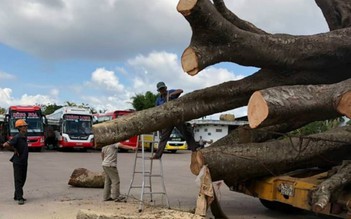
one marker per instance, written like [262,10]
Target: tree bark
[215,99]
[216,39]
[236,163]
[299,103]
[336,12]
[82,177]
[322,195]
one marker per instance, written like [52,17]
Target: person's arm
[11,147]
[176,92]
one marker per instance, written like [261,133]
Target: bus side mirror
[45,120]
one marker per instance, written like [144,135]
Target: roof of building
[217,122]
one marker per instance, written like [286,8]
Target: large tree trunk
[299,103]
[215,99]
[239,162]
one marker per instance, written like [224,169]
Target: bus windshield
[77,124]
[33,119]
[176,135]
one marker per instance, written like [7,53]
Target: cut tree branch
[322,195]
[299,103]
[215,39]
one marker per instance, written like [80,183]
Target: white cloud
[91,29]
[6,99]
[142,73]
[106,79]
[163,66]
[299,17]
[34,99]
[111,29]
[5,96]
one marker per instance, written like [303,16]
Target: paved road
[49,172]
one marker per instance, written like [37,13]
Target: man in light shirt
[112,182]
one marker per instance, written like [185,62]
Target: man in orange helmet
[19,159]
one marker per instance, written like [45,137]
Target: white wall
[210,132]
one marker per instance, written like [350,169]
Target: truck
[72,127]
[36,125]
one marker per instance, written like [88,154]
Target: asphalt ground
[49,171]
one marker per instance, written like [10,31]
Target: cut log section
[299,103]
[82,177]
[239,162]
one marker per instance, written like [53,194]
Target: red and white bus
[35,120]
[130,143]
[72,127]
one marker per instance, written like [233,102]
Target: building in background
[212,130]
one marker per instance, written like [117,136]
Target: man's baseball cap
[160,85]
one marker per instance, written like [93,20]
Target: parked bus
[72,127]
[130,143]
[35,120]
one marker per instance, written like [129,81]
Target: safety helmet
[20,122]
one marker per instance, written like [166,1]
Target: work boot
[155,157]
[120,199]
[21,201]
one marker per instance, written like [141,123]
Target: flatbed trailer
[293,191]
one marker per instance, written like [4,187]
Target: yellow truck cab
[293,191]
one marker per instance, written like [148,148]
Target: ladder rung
[141,172]
[155,193]
[153,175]
[139,187]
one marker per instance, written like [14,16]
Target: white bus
[72,127]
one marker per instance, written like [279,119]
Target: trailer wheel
[278,206]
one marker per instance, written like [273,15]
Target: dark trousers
[166,132]
[20,176]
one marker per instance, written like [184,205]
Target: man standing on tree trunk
[165,96]
[19,159]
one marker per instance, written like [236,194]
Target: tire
[278,206]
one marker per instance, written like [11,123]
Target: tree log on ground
[239,162]
[82,177]
[299,103]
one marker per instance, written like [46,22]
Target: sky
[104,52]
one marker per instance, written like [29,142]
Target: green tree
[318,127]
[50,108]
[2,110]
[144,101]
